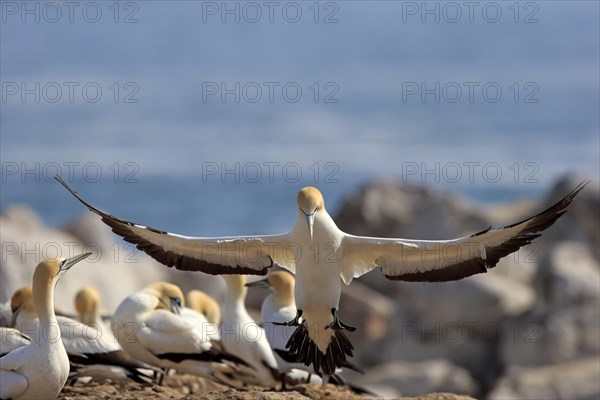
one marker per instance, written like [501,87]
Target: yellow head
[204,304]
[283,284]
[87,301]
[22,300]
[39,298]
[170,297]
[310,201]
[280,282]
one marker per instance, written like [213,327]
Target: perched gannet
[320,254]
[87,305]
[277,309]
[245,338]
[150,327]
[40,369]
[92,350]
[204,304]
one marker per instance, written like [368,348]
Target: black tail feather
[305,350]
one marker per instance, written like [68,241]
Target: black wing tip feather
[304,350]
[532,230]
[180,262]
[555,210]
[216,354]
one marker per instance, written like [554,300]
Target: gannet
[92,350]
[11,339]
[87,305]
[40,369]
[204,304]
[319,254]
[245,338]
[150,328]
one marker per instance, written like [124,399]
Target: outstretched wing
[251,255]
[445,260]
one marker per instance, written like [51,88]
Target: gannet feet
[294,322]
[337,324]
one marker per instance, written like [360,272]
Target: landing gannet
[319,254]
[40,369]
[150,328]
[245,338]
[93,351]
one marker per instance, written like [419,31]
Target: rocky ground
[190,387]
[529,328]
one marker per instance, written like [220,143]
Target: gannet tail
[306,351]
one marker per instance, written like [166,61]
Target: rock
[571,380]
[483,298]
[580,223]
[559,335]
[366,309]
[389,208]
[572,276]
[414,379]
[22,217]
[535,340]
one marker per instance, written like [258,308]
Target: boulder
[570,380]
[401,378]
[484,299]
[388,208]
[572,276]
[580,223]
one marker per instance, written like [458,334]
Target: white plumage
[40,369]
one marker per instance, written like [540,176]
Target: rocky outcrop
[399,378]
[571,380]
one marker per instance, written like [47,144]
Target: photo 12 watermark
[269,172]
[470,92]
[70,171]
[33,253]
[469,172]
[270,92]
[53,12]
[453,12]
[469,332]
[253,12]
[70,92]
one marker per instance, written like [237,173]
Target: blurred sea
[372,55]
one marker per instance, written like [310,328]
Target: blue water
[539,129]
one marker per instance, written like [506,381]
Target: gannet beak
[175,306]
[310,219]
[13,320]
[68,263]
[263,283]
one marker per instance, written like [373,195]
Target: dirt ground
[191,387]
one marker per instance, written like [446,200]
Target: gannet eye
[176,300]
